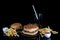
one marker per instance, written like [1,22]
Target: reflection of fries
[43,30]
[11,32]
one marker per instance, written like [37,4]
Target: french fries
[11,32]
[54,32]
[43,30]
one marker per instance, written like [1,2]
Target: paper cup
[5,29]
[47,35]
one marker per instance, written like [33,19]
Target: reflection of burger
[16,26]
[30,29]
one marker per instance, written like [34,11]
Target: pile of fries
[44,30]
[11,32]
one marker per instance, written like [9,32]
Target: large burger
[30,29]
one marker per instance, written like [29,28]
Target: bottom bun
[27,33]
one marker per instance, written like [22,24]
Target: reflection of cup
[47,35]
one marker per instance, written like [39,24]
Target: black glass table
[26,37]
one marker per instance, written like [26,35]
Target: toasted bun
[30,27]
[16,25]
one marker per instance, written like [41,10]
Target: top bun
[16,25]
[30,27]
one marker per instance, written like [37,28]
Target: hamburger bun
[16,26]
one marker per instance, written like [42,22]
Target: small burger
[30,29]
[16,26]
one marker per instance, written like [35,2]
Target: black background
[22,12]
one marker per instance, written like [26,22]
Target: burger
[30,29]
[16,26]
